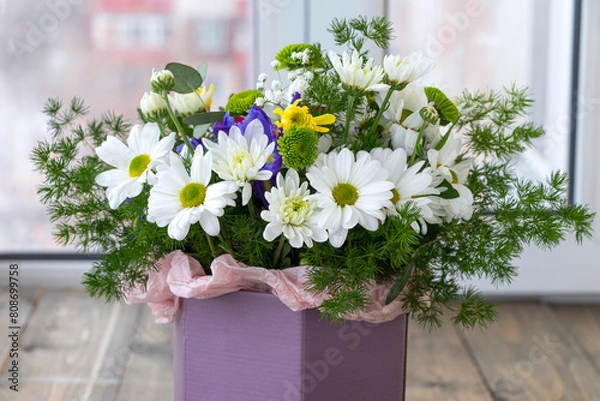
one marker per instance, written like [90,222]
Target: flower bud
[430,114]
[153,107]
[162,81]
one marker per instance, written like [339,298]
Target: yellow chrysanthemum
[298,116]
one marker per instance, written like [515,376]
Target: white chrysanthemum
[352,72]
[134,162]
[410,183]
[350,191]
[406,69]
[240,158]
[180,199]
[194,102]
[292,212]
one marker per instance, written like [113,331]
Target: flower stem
[211,246]
[349,118]
[177,124]
[417,143]
[226,243]
[382,109]
[278,251]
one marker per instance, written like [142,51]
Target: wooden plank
[149,372]
[526,356]
[72,346]
[439,368]
[583,323]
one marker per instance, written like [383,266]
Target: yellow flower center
[295,210]
[395,196]
[192,195]
[345,194]
[454,177]
[138,165]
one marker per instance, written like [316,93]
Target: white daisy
[134,162]
[350,191]
[406,69]
[180,199]
[292,212]
[410,184]
[352,72]
[240,158]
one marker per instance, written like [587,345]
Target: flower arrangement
[362,172]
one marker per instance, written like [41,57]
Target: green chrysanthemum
[284,56]
[298,147]
[242,101]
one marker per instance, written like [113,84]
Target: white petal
[210,224]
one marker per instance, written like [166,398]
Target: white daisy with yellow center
[240,158]
[350,190]
[292,212]
[134,163]
[180,199]
[411,184]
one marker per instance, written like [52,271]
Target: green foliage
[366,257]
[355,32]
[444,106]
[493,122]
[78,208]
[187,79]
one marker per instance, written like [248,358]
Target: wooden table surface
[74,348]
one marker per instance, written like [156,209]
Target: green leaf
[450,192]
[400,283]
[443,141]
[448,110]
[203,69]
[187,79]
[204,118]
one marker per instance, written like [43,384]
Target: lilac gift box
[249,346]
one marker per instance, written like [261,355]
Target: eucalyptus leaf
[204,118]
[203,69]
[445,107]
[400,283]
[450,192]
[200,130]
[187,79]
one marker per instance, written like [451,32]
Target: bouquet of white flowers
[362,172]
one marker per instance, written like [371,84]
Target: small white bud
[275,64]
[262,77]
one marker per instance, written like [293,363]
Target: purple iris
[193,141]
[224,125]
[296,96]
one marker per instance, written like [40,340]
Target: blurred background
[104,51]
